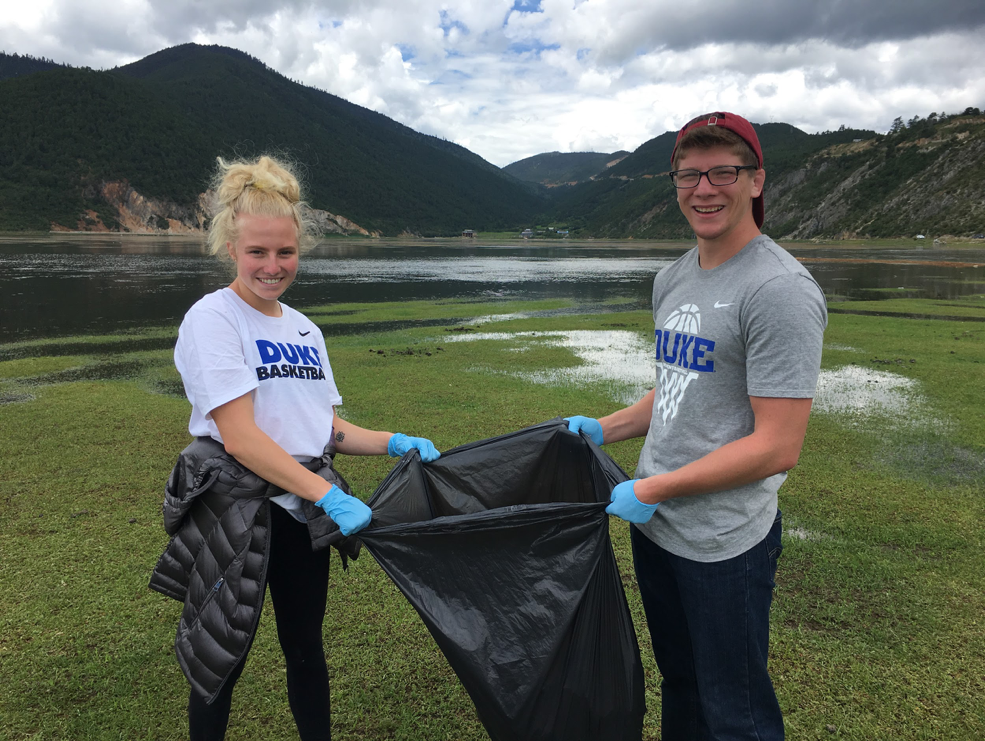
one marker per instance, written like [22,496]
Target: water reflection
[487,270]
[69,284]
[890,277]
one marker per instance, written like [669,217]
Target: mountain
[563,168]
[635,197]
[925,177]
[15,65]
[134,148]
[928,178]
[653,157]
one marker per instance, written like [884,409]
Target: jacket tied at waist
[217,513]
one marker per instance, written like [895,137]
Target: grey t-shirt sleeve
[784,332]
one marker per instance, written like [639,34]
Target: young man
[739,325]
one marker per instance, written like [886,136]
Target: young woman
[258,377]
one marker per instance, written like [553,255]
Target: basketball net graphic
[674,380]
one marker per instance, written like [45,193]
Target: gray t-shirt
[753,326]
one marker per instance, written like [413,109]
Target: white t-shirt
[226,349]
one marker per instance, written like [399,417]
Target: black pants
[298,581]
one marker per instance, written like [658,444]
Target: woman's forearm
[255,450]
[354,440]
[252,447]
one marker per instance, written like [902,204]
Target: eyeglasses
[721,175]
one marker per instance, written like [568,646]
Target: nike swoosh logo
[304,334]
[721,306]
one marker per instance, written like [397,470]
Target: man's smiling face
[720,213]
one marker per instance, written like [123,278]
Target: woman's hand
[400,444]
[354,440]
[350,514]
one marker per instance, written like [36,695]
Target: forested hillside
[925,176]
[73,140]
[15,65]
[635,197]
[131,149]
[564,168]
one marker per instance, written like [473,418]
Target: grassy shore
[878,617]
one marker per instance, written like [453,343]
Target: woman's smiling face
[266,257]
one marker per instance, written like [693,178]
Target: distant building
[468,233]
[527,233]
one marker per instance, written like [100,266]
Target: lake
[57,285]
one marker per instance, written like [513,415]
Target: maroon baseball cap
[737,125]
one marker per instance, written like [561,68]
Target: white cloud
[511,79]
[27,17]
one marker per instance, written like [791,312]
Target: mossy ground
[878,617]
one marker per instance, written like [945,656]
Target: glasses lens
[723,175]
[686,178]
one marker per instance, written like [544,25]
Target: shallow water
[859,390]
[622,363]
[59,285]
[50,287]
[619,360]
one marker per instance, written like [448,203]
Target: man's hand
[588,425]
[624,504]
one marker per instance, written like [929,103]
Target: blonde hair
[261,187]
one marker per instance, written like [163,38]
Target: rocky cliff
[122,208]
[923,177]
[887,186]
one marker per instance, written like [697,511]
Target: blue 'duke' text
[686,350]
[303,361]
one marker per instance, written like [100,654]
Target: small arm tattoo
[339,436]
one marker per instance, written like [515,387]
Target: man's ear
[758,181]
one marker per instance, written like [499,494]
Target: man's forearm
[773,447]
[730,466]
[633,421]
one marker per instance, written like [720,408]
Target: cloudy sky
[512,78]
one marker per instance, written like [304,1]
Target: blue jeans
[709,623]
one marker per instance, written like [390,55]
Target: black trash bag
[503,548]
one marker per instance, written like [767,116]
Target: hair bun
[264,186]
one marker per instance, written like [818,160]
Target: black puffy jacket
[217,513]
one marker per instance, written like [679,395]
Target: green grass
[430,310]
[878,618]
[963,306]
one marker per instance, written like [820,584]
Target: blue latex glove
[400,444]
[589,426]
[624,504]
[349,513]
